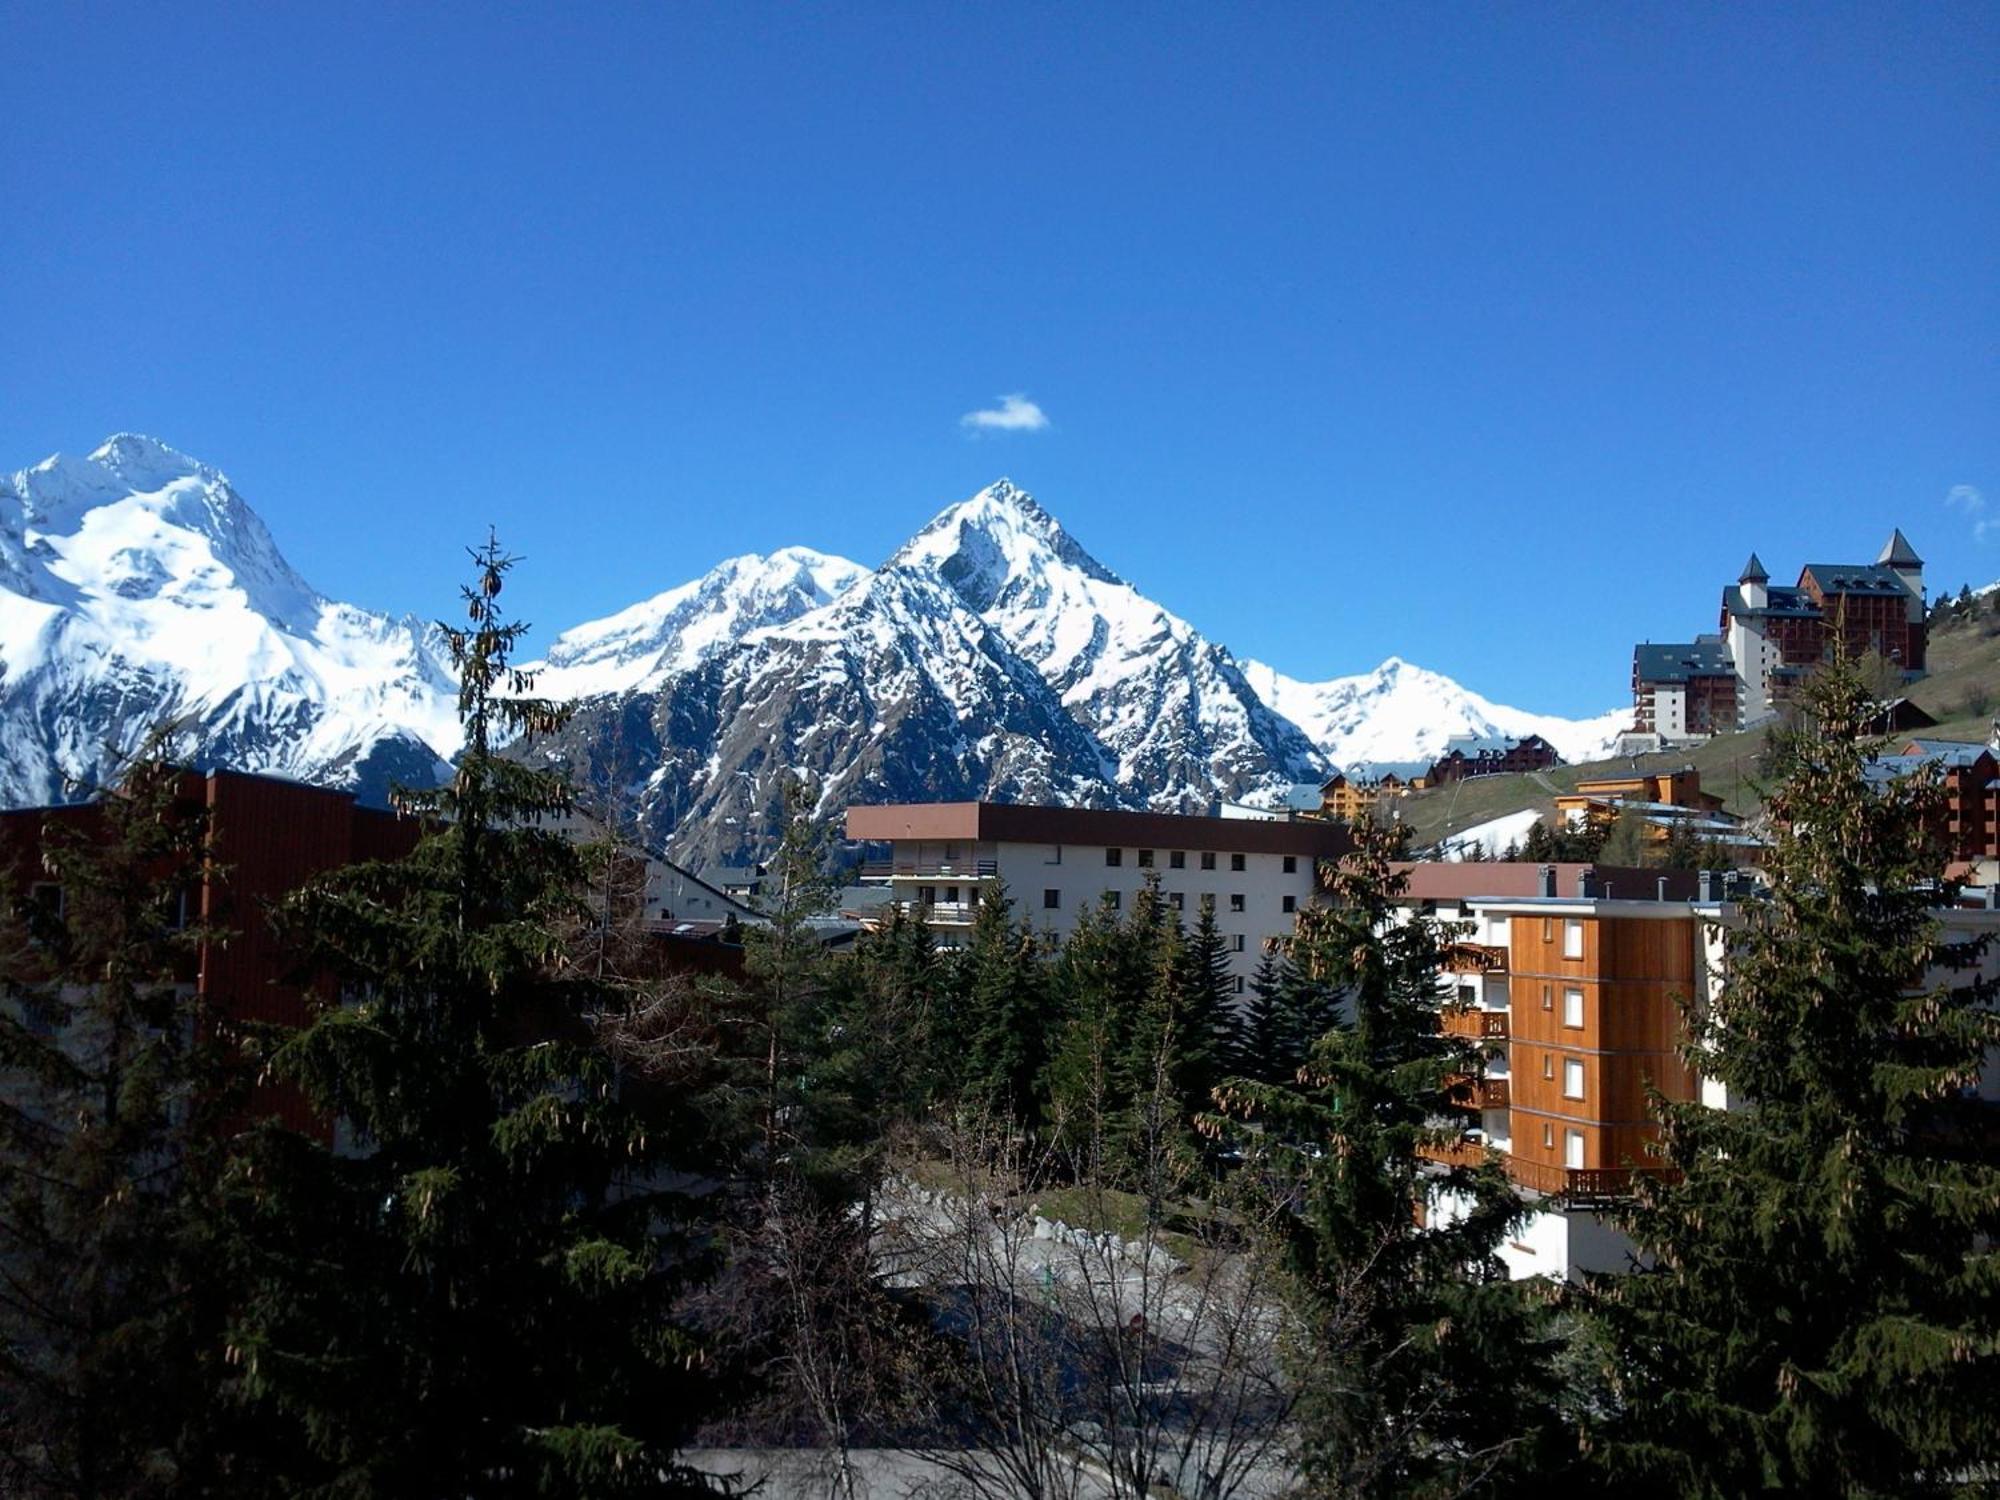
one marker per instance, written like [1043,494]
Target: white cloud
[1015,413]
[1967,498]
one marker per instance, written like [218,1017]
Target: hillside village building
[1467,755]
[1573,975]
[1770,636]
[1054,863]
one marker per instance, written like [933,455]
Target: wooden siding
[1633,973]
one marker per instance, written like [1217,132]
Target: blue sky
[1490,336]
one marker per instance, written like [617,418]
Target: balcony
[1472,1024]
[962,869]
[1477,1093]
[1474,958]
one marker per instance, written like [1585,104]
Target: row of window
[1052,900]
[1177,860]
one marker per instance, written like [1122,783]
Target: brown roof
[1015,823]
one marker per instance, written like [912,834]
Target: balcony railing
[1460,1153]
[1474,1025]
[1581,1183]
[945,913]
[962,869]
[1475,958]
[1477,1093]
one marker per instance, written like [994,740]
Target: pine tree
[1421,1368]
[114,1089]
[1822,1318]
[471,1290]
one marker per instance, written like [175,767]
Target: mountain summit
[136,585]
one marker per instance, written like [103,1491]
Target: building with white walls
[1054,863]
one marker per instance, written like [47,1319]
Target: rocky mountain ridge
[990,656]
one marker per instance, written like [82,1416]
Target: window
[1236,902]
[1114,856]
[951,895]
[927,894]
[1208,861]
[1548,1135]
[1291,864]
[1548,997]
[1237,984]
[1468,996]
[1573,1149]
[1145,859]
[1111,901]
[1052,900]
[1175,900]
[1236,942]
[1572,1007]
[1549,1067]
[1236,862]
[1291,903]
[1055,855]
[1548,929]
[1572,1078]
[1572,938]
[1177,860]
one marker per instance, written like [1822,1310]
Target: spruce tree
[1420,1368]
[469,1289]
[1005,1022]
[1206,1020]
[113,1089]
[1821,1315]
[1259,1052]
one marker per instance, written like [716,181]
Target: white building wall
[1079,876]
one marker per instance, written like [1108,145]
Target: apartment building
[1054,863]
[1571,975]
[1467,755]
[1684,692]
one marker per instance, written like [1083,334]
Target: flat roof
[1018,823]
[1516,880]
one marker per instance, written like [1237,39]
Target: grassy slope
[1965,672]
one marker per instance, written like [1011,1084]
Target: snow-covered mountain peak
[137,584]
[999,537]
[146,463]
[683,627]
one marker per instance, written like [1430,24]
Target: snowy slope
[1402,712]
[680,629]
[136,584]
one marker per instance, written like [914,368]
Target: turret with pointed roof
[1898,553]
[1753,570]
